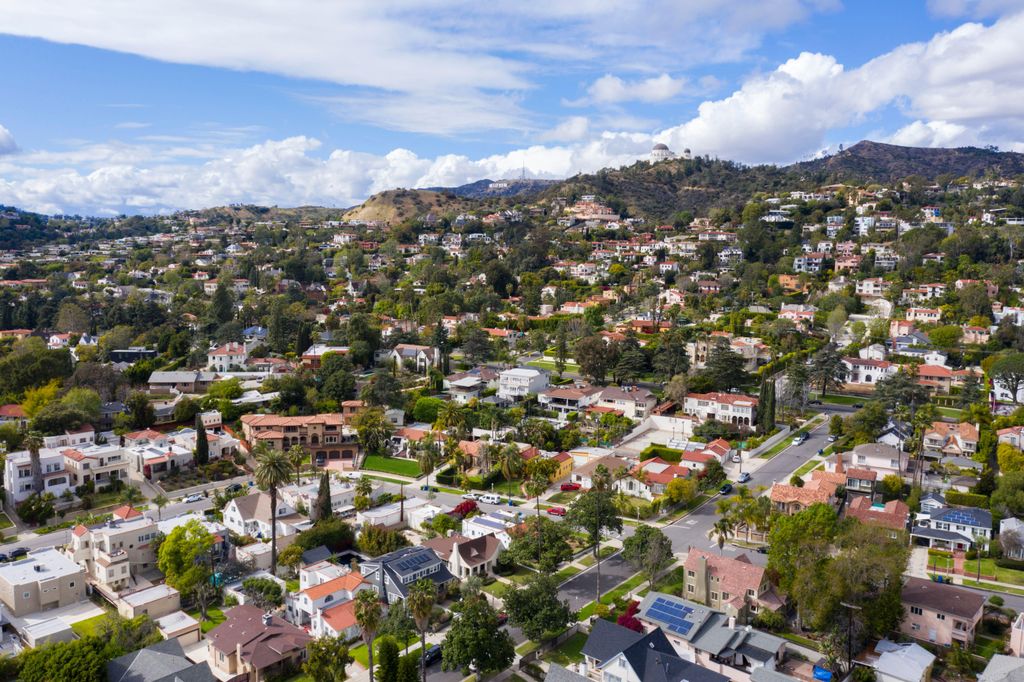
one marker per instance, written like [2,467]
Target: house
[951,440]
[419,358]
[880,458]
[821,489]
[893,515]
[898,662]
[194,381]
[940,613]
[227,357]
[343,495]
[731,584]
[729,408]
[97,464]
[313,356]
[161,662]
[1003,668]
[927,315]
[650,478]
[155,601]
[326,437]
[45,579]
[20,483]
[251,642]
[710,638]
[467,556]
[392,574]
[800,314]
[1011,537]
[249,515]
[613,653]
[307,607]
[499,523]
[393,514]
[519,382]
[632,401]
[868,372]
[564,401]
[895,433]
[114,552]
[13,414]
[952,528]
[584,474]
[1014,435]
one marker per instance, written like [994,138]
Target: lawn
[214,617]
[838,399]
[362,655]
[568,652]
[549,365]
[683,511]
[527,647]
[949,412]
[396,481]
[666,453]
[85,628]
[620,591]
[605,552]
[522,575]
[496,589]
[392,465]
[989,568]
[986,647]
[808,467]
[566,573]
[292,585]
[803,641]
[4,521]
[777,448]
[993,587]
[672,582]
[564,497]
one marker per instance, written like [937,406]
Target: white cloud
[571,129]
[7,144]
[609,89]
[973,8]
[131,125]
[933,134]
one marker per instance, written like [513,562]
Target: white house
[19,483]
[564,401]
[229,356]
[250,515]
[634,402]
[519,382]
[730,408]
[868,372]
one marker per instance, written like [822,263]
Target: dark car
[502,619]
[725,489]
[433,655]
[4,557]
[18,552]
[858,406]
[814,402]
[763,549]
[234,487]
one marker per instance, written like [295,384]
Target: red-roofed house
[13,413]
[893,515]
[305,607]
[953,440]
[650,478]
[821,489]
[257,644]
[227,357]
[868,372]
[734,585]
[729,408]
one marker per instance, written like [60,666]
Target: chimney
[38,568]
[267,617]
[732,622]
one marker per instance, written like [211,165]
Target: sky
[138,106]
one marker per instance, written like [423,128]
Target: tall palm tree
[297,456]
[272,471]
[33,442]
[420,603]
[426,457]
[721,530]
[511,464]
[369,616]
[160,501]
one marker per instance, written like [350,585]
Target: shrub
[955,497]
[264,592]
[772,621]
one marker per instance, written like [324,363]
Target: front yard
[568,652]
[392,465]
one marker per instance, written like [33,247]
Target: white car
[194,497]
[470,496]
[737,457]
[490,498]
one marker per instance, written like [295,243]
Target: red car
[568,487]
[556,511]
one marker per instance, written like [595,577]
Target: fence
[547,646]
[783,433]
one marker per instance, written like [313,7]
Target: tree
[1010,458]
[766,405]
[80,660]
[184,558]
[374,430]
[677,388]
[946,337]
[541,541]
[297,457]
[384,390]
[160,501]
[408,669]
[970,391]
[510,463]
[561,348]
[721,531]
[323,499]
[725,367]
[476,344]
[85,400]
[836,321]
[827,369]
[474,640]
[648,550]
[1008,372]
[420,601]
[892,487]
[593,513]
[901,390]
[326,659]
[536,609]
[794,394]
[72,319]
[272,472]
[368,615]
[222,306]
[682,491]
[37,508]
[202,451]
[387,657]
[671,359]
[594,357]
[141,414]
[33,443]
[632,363]
[398,623]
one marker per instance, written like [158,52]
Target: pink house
[940,613]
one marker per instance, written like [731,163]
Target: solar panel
[672,613]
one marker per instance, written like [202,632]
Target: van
[490,498]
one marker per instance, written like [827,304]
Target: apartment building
[97,464]
[43,580]
[117,550]
[632,401]
[324,436]
[730,408]
[20,482]
[519,382]
[940,613]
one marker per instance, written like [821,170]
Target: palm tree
[297,455]
[721,530]
[420,602]
[426,456]
[131,494]
[272,471]
[511,464]
[369,616]
[601,479]
[450,417]
[33,442]
[160,501]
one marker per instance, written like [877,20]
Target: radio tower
[522,174]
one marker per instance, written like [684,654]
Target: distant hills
[489,189]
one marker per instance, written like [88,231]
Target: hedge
[966,499]
[446,477]
[1015,564]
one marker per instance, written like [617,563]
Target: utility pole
[849,634]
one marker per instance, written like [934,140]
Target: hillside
[869,161]
[488,189]
[396,205]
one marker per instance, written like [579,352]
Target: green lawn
[949,412]
[568,652]
[993,587]
[84,628]
[777,448]
[549,365]
[362,655]
[620,591]
[683,511]
[386,479]
[838,399]
[986,647]
[527,647]
[564,497]
[989,568]
[566,573]
[672,582]
[522,575]
[496,589]
[605,552]
[292,585]
[4,521]
[392,465]
[808,467]
[803,641]
[214,617]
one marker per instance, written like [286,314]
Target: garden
[392,465]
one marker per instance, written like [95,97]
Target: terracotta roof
[148,434]
[724,398]
[894,515]
[271,421]
[348,582]
[411,434]
[80,530]
[12,412]
[735,575]
[127,511]
[562,456]
[966,430]
[862,474]
[340,617]
[659,471]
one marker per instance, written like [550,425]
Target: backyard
[392,465]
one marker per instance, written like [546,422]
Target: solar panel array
[413,562]
[672,614]
[960,516]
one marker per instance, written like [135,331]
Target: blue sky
[127,106]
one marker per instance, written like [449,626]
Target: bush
[1015,564]
[772,621]
[264,592]
[954,497]
[996,600]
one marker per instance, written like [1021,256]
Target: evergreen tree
[222,307]
[561,348]
[202,453]
[323,498]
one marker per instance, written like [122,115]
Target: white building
[729,408]
[519,382]
[20,483]
[227,357]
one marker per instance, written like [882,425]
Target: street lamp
[849,634]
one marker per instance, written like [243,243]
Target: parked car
[490,498]
[470,496]
[3,557]
[234,487]
[556,511]
[502,619]
[737,457]
[857,406]
[569,487]
[194,497]
[799,440]
[430,488]
[832,438]
[433,655]
[744,477]
[814,402]
[725,489]
[18,552]
[763,549]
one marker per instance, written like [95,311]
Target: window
[71,584]
[714,596]
[916,610]
[725,596]
[26,595]
[751,593]
[915,626]
[689,588]
[940,616]
[690,574]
